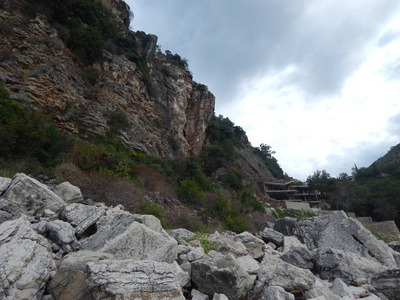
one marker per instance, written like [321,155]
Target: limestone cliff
[166,110]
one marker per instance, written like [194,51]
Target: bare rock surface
[387,283]
[338,231]
[118,233]
[30,197]
[26,261]
[224,276]
[270,235]
[82,217]
[68,192]
[276,293]
[254,245]
[63,234]
[128,279]
[4,183]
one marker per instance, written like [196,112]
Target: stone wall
[387,229]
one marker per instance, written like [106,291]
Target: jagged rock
[300,257]
[338,231]
[219,297]
[151,222]
[128,279]
[226,244]
[195,254]
[182,233]
[68,192]
[118,233]
[4,183]
[182,273]
[321,291]
[63,234]
[284,275]
[291,242]
[197,295]
[276,293]
[82,217]
[254,245]
[249,264]
[269,235]
[30,197]
[223,276]
[26,261]
[69,282]
[286,226]
[358,291]
[395,246]
[341,289]
[332,263]
[5,216]
[387,283]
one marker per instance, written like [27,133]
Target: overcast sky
[318,80]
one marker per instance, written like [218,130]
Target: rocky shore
[54,244]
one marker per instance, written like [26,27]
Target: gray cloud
[230,42]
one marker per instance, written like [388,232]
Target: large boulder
[223,276]
[338,231]
[128,279]
[331,263]
[30,197]
[4,183]
[300,257]
[271,236]
[69,282]
[388,283]
[26,261]
[276,293]
[82,217]
[254,245]
[63,235]
[284,275]
[118,233]
[286,226]
[68,192]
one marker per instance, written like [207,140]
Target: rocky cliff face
[167,112]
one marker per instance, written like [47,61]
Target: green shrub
[235,223]
[249,202]
[190,193]
[233,179]
[152,209]
[206,243]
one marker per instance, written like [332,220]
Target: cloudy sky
[318,80]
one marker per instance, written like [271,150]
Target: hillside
[88,100]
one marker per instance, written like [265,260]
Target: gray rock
[284,275]
[63,234]
[151,222]
[118,233]
[227,244]
[338,231]
[292,242]
[395,246]
[387,283]
[341,289]
[321,291]
[249,264]
[128,279]
[69,282]
[182,273]
[300,257]
[197,295]
[5,216]
[195,254]
[276,293]
[30,197]
[269,235]
[26,261]
[4,183]
[254,245]
[182,233]
[286,226]
[357,291]
[82,217]
[332,263]
[219,297]
[68,192]
[223,276]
